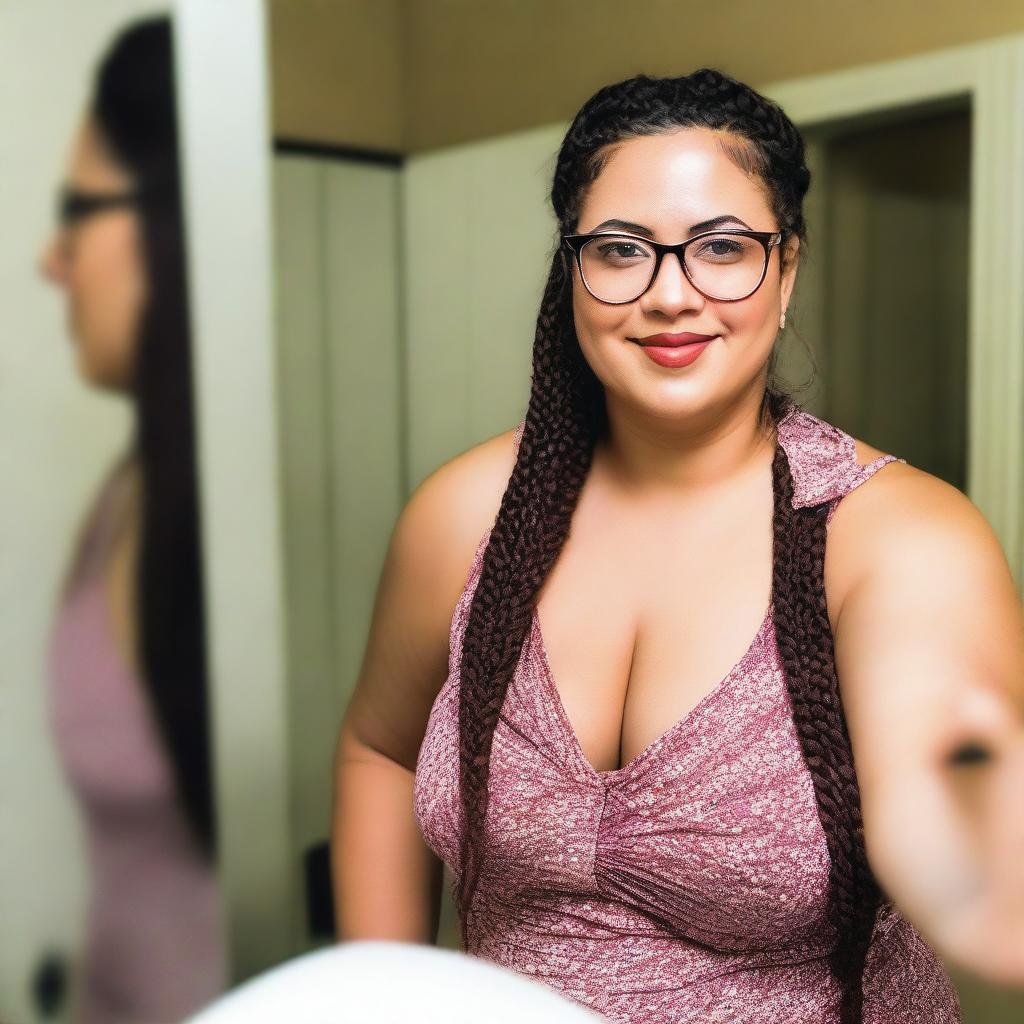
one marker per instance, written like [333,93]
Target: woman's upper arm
[405,661]
[930,620]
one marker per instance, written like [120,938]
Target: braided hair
[566,416]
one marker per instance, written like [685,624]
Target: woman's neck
[645,455]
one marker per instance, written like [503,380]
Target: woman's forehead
[671,181]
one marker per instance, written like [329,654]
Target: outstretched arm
[929,645]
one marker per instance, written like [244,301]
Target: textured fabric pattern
[691,884]
[154,943]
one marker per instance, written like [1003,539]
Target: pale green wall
[478,238]
[339,363]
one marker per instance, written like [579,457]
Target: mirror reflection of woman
[653,794]
[128,694]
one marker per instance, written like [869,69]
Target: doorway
[885,303]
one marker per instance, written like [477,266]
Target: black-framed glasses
[727,264]
[74,204]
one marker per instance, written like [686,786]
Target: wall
[473,284]
[339,363]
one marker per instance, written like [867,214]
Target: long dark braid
[565,418]
[804,638]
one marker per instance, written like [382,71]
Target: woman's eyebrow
[704,225]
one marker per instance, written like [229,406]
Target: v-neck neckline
[611,776]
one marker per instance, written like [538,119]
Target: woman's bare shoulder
[425,569]
[452,508]
[895,487]
[898,501]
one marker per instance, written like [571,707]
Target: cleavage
[637,633]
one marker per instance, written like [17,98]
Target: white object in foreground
[380,982]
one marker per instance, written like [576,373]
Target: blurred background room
[356,197]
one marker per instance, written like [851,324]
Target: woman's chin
[97,377]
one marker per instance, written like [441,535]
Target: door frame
[990,77]
[223,99]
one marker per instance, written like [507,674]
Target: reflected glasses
[74,205]
[728,264]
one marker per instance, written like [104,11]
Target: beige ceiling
[412,75]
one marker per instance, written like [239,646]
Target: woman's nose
[671,289]
[52,262]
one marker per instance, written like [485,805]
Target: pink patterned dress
[154,943]
[712,829]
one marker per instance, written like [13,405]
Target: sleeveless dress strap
[519,433]
[859,474]
[823,460]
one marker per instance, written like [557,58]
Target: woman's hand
[963,840]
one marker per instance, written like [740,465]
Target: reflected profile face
[97,261]
[670,184]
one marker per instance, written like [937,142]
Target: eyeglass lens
[722,266]
[73,205]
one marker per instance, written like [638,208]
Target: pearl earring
[782,321]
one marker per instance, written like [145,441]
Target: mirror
[111,896]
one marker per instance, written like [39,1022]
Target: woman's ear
[791,262]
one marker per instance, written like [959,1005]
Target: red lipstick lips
[675,350]
[673,340]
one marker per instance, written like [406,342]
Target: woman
[668,802]
[127,656]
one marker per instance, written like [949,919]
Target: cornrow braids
[566,416]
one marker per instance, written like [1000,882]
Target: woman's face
[98,262]
[669,184]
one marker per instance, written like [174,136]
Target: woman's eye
[617,249]
[720,247]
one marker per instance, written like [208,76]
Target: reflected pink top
[713,828]
[154,945]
